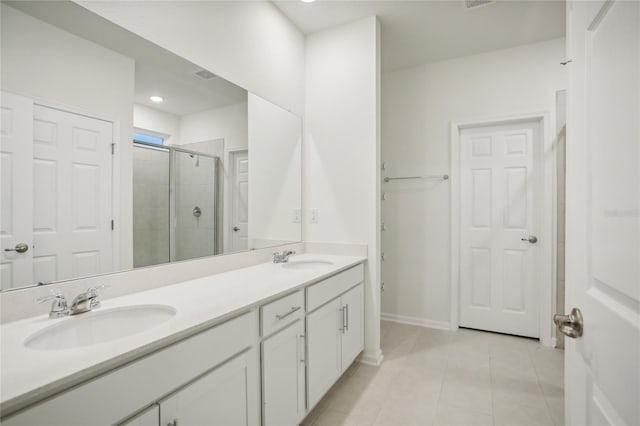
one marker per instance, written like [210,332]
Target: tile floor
[437,377]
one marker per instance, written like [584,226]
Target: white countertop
[29,375]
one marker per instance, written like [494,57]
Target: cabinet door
[149,417]
[353,332]
[323,350]
[283,378]
[221,397]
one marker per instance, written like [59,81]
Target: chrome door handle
[570,325]
[236,229]
[293,309]
[531,239]
[20,248]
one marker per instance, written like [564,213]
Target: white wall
[228,123]
[42,61]
[248,43]
[275,173]
[342,146]
[419,105]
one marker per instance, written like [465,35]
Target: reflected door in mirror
[16,215]
[68,222]
[240,200]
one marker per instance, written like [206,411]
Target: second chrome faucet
[83,302]
[282,257]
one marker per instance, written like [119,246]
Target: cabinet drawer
[321,293]
[282,312]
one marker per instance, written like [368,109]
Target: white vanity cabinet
[216,369]
[219,398]
[283,376]
[269,365]
[283,358]
[335,330]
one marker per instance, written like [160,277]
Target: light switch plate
[315,216]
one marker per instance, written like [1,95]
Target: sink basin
[307,264]
[99,326]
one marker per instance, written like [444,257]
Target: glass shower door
[150,206]
[194,199]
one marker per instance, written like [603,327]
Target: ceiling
[157,71]
[422,31]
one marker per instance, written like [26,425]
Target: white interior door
[497,211]
[240,201]
[72,195]
[602,367]
[16,182]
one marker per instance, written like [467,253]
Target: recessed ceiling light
[307,1]
[156,99]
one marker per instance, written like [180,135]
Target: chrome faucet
[282,257]
[84,302]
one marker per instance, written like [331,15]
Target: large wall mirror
[118,154]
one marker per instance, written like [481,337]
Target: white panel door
[16,153]
[497,211]
[323,350]
[72,195]
[283,376]
[240,201]
[353,327]
[220,398]
[602,368]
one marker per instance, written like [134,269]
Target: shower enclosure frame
[170,149]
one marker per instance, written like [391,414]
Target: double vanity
[257,345]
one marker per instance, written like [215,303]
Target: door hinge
[113,148]
[113,224]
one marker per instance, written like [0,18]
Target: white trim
[116,201]
[420,322]
[371,359]
[547,178]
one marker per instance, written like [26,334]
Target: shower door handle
[236,229]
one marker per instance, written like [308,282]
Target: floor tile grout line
[544,395]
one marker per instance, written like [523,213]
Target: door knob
[20,248]
[570,325]
[236,229]
[531,238]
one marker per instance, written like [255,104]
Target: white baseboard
[372,359]
[421,322]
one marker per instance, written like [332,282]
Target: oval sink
[307,264]
[99,326]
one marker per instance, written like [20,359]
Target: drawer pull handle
[293,310]
[346,326]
